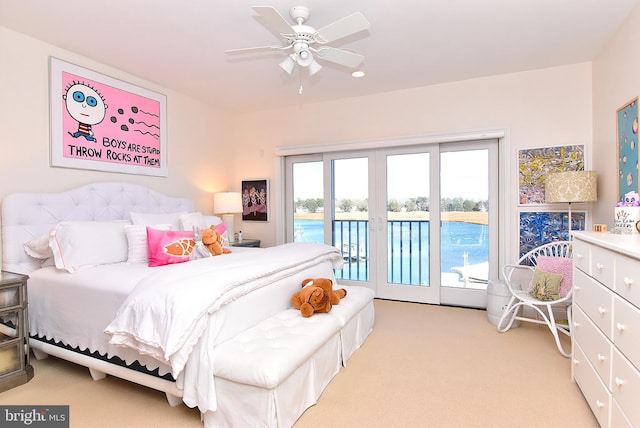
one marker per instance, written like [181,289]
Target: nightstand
[15,368]
[246,243]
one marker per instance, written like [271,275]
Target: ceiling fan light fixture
[314,67]
[305,58]
[288,64]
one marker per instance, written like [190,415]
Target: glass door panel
[406,187]
[408,219]
[350,214]
[308,202]
[469,177]
[464,237]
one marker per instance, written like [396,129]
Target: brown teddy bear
[213,241]
[317,296]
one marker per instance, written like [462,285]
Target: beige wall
[538,108]
[616,80]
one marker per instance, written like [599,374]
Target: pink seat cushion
[559,265]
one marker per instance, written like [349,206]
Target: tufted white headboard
[29,215]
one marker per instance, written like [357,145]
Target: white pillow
[203,222]
[38,248]
[81,243]
[145,219]
[211,219]
[138,251]
[187,221]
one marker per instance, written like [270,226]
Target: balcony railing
[463,252]
[408,250]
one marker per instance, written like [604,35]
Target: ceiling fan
[306,42]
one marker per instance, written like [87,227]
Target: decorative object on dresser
[541,281]
[228,204]
[606,325]
[571,186]
[15,368]
[627,214]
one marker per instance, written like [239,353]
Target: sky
[463,174]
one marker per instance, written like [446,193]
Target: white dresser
[606,325]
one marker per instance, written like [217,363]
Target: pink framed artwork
[104,124]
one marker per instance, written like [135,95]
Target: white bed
[69,312]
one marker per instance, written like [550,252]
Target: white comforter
[168,314]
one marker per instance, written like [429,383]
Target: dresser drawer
[626,387]
[626,330]
[595,346]
[595,300]
[594,391]
[581,256]
[603,265]
[627,279]
[618,418]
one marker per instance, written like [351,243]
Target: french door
[414,224]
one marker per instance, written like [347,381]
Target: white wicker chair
[518,277]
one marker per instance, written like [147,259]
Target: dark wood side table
[246,243]
[15,368]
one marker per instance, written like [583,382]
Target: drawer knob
[619,382]
[599,266]
[576,361]
[628,281]
[602,310]
[576,324]
[579,256]
[601,357]
[620,326]
[600,404]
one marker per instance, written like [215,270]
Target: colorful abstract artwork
[535,164]
[538,228]
[627,120]
[104,124]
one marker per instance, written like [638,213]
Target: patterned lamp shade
[572,186]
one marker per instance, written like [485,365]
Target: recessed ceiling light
[358,73]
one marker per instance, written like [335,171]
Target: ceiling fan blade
[274,20]
[340,56]
[344,27]
[256,49]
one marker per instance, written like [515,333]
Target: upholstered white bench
[272,372]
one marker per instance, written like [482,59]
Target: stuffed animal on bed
[317,296]
[212,240]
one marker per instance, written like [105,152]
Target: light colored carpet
[423,366]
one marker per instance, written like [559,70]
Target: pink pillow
[169,246]
[559,265]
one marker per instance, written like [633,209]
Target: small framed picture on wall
[255,200]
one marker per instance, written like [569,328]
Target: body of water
[461,242]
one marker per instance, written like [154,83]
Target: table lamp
[571,186]
[227,204]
